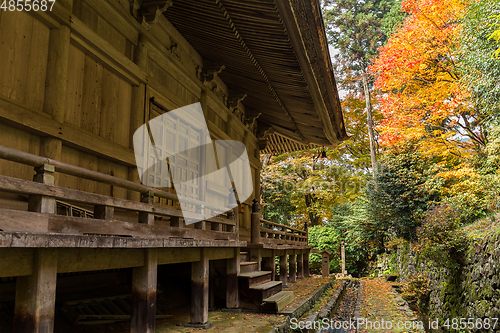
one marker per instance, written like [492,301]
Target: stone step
[278,301]
[247,280]
[249,266]
[244,256]
[260,292]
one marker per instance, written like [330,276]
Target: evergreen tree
[354,29]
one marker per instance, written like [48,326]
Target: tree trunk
[313,217]
[370,124]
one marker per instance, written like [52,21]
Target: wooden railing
[275,233]
[42,217]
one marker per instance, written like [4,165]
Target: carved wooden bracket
[235,99]
[251,123]
[173,48]
[211,70]
[263,133]
[153,9]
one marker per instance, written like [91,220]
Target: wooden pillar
[255,223]
[283,269]
[138,111]
[144,282]
[56,81]
[293,267]
[36,295]
[269,264]
[104,212]
[325,254]
[40,203]
[211,286]
[306,264]
[300,265]
[199,290]
[144,217]
[256,255]
[232,295]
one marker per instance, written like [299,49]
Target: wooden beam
[19,116]
[83,37]
[15,221]
[144,285]
[20,186]
[36,295]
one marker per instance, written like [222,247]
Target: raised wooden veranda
[38,243]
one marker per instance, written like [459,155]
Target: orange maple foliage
[421,97]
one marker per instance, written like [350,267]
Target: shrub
[440,233]
[416,291]
[324,238]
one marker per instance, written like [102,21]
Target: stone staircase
[257,290]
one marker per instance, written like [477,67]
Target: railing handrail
[301,232]
[18,156]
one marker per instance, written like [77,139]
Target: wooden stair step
[278,302]
[249,266]
[259,293]
[254,274]
[267,285]
[244,256]
[247,280]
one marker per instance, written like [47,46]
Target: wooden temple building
[78,80]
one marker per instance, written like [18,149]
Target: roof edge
[303,22]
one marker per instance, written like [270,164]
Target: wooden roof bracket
[263,133]
[210,71]
[149,11]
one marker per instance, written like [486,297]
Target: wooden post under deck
[269,264]
[283,269]
[293,267]
[199,291]
[144,284]
[232,295]
[306,264]
[36,293]
[300,265]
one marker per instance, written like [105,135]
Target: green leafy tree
[480,68]
[394,18]
[402,193]
[298,188]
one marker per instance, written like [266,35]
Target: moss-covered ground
[378,303]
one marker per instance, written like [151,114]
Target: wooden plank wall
[101,77]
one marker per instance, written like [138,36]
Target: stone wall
[470,289]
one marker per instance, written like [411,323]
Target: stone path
[384,310]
